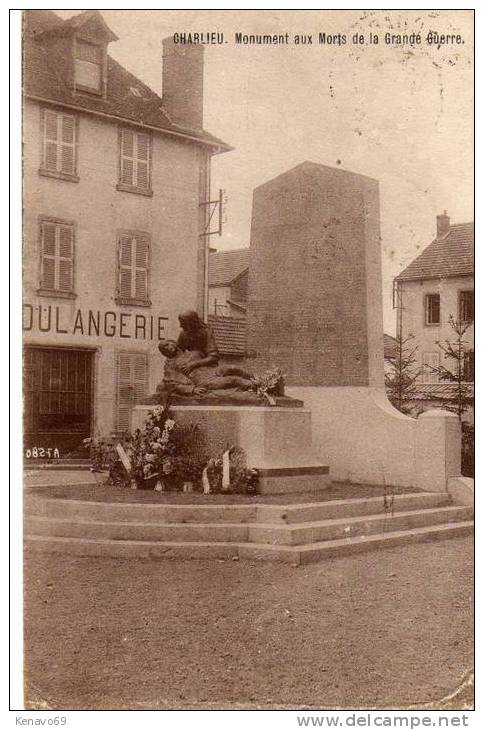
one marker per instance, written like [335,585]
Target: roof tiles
[230,334]
[225,266]
[45,75]
[444,257]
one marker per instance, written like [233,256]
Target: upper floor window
[56,257]
[88,65]
[432,309]
[466,305]
[133,268]
[59,144]
[135,161]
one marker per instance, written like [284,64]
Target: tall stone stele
[315,305]
[315,309]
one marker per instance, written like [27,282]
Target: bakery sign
[54,319]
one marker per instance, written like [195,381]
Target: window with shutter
[133,268]
[57,256]
[59,144]
[132,385]
[135,156]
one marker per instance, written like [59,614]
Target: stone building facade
[115,181]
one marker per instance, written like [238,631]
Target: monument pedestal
[277,442]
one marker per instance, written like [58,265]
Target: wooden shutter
[48,256]
[127,157]
[134,257]
[50,140]
[131,386]
[135,159]
[59,142]
[141,267]
[66,257]
[57,256]
[68,144]
[125,267]
[142,160]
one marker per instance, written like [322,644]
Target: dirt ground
[384,629]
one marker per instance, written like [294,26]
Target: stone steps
[307,511]
[264,533]
[336,529]
[293,555]
[292,533]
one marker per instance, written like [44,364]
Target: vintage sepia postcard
[248,362]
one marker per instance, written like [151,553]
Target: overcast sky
[403,115]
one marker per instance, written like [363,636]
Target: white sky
[401,115]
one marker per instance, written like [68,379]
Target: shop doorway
[58,400]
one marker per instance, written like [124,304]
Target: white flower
[169,423]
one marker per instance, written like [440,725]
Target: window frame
[124,187]
[43,170]
[118,354]
[57,293]
[459,305]
[427,296]
[102,66]
[132,301]
[426,372]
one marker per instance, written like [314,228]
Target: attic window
[135,91]
[88,66]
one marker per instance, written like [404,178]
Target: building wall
[170,217]
[239,288]
[218,295]
[413,295]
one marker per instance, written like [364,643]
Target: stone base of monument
[294,533]
[277,442]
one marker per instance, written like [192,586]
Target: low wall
[365,439]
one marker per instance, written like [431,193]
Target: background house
[116,181]
[439,283]
[228,275]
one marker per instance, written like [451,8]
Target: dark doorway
[58,395]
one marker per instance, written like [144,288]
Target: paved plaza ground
[390,628]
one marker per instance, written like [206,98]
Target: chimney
[443,225]
[182,91]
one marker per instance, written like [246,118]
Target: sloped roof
[452,255]
[225,266]
[230,334]
[45,76]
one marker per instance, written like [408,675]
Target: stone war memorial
[315,311]
[337,469]
[315,308]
